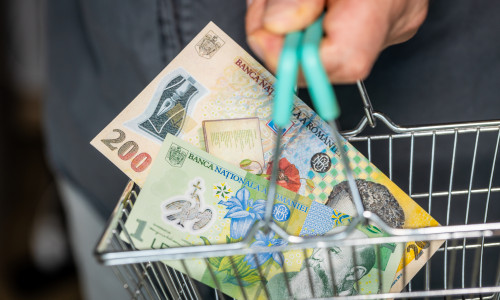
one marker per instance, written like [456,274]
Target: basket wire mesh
[450,170]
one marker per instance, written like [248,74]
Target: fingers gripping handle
[320,88]
[287,77]
[303,47]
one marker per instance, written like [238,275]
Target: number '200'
[128,150]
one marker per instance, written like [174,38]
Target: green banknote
[193,198]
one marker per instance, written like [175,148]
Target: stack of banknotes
[199,141]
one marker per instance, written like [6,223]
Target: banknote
[215,79]
[319,163]
[236,141]
[194,198]
[376,264]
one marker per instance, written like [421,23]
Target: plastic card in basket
[213,79]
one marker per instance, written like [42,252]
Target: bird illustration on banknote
[185,210]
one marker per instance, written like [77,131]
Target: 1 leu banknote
[194,198]
[215,79]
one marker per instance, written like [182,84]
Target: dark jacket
[101,54]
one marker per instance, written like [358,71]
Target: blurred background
[35,259]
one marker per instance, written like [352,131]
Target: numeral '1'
[140,229]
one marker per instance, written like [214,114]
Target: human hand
[356,31]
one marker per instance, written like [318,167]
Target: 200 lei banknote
[215,79]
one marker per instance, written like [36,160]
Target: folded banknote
[215,79]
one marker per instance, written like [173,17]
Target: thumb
[283,16]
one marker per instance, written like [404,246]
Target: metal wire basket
[450,170]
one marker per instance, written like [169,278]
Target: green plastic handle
[288,67]
[320,88]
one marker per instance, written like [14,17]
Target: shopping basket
[450,170]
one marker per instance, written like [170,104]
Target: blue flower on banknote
[243,212]
[265,240]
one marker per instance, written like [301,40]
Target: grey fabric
[101,55]
[97,281]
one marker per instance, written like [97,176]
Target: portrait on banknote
[332,271]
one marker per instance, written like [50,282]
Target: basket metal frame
[152,279]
